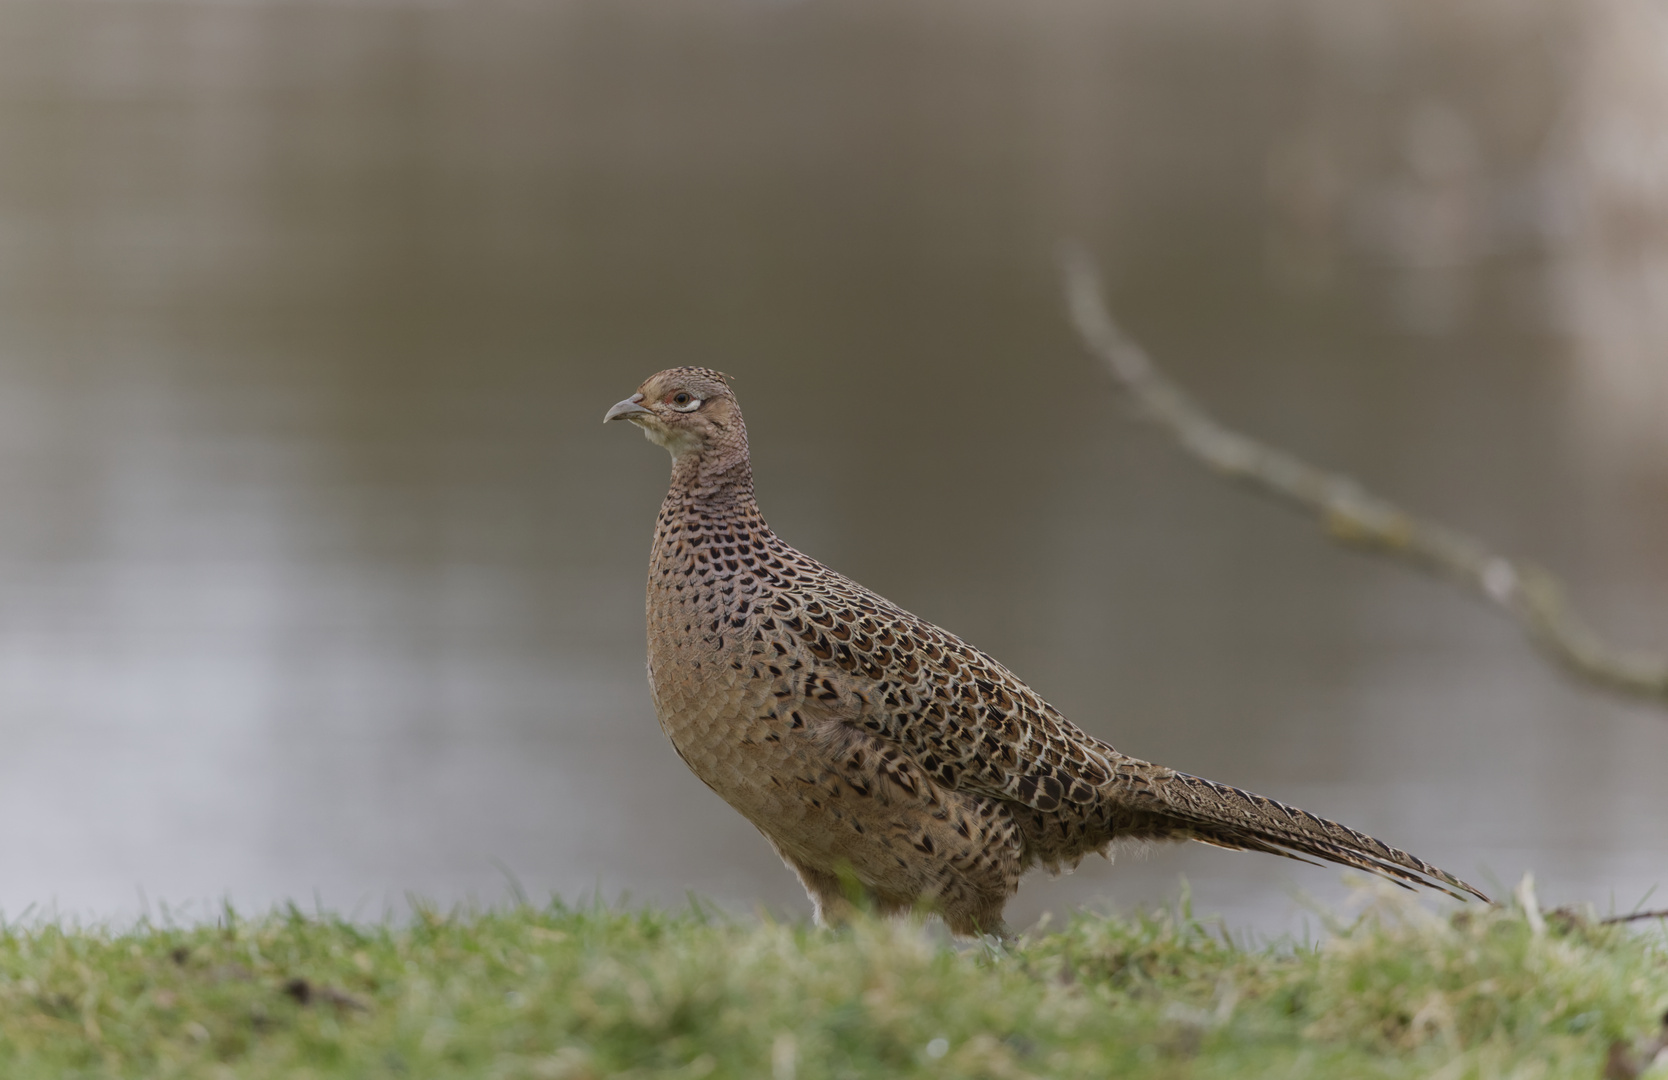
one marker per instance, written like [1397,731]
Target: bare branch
[1350,514]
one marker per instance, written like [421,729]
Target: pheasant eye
[684,401]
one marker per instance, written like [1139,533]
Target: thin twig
[1350,514]
[1635,917]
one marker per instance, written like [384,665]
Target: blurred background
[321,580]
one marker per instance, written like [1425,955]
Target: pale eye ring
[684,401]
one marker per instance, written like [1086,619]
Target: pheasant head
[692,413]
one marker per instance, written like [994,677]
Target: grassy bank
[590,993]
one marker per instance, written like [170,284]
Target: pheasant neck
[717,481]
[706,495]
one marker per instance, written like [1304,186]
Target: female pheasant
[868,744]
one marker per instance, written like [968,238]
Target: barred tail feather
[1227,817]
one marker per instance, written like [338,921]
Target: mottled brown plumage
[865,741]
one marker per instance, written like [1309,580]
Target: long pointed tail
[1225,816]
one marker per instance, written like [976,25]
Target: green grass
[564,992]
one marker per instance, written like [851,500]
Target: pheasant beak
[629,409]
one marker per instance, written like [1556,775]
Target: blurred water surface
[320,579]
